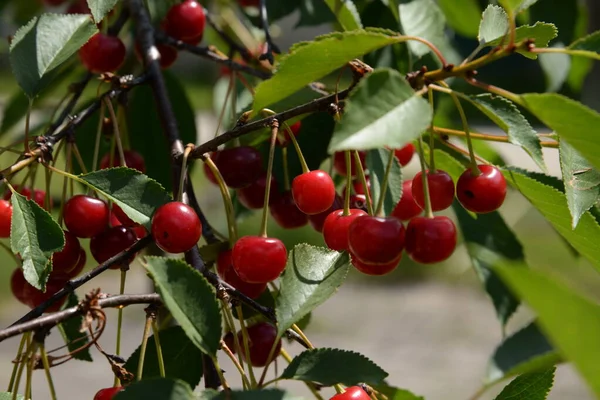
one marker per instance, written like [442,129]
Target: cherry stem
[238,308]
[431,137]
[265,215]
[269,361]
[363,180]
[78,158]
[140,369]
[18,357]
[311,386]
[183,173]
[286,169]
[229,211]
[22,361]
[384,183]
[44,356]
[347,157]
[120,320]
[236,341]
[27,120]
[428,211]
[69,151]
[515,98]
[98,136]
[159,354]
[296,329]
[238,366]
[219,371]
[305,168]
[433,48]
[34,346]
[490,137]
[116,132]
[224,107]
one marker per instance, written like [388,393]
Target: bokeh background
[431,327]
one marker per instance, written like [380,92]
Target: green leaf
[552,203]
[71,331]
[312,275]
[191,300]
[377,161]
[346,13]
[571,322]
[541,33]
[393,393]
[494,24]
[532,386]
[263,394]
[517,5]
[424,19]
[35,236]
[138,195]
[182,359]
[383,110]
[556,67]
[314,13]
[571,120]
[9,396]
[526,350]
[100,8]
[462,15]
[588,46]
[508,118]
[308,62]
[581,181]
[162,388]
[331,366]
[45,43]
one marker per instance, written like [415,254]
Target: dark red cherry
[358,201]
[176,227]
[358,187]
[54,3]
[31,296]
[317,220]
[253,196]
[66,260]
[249,3]
[239,166]
[287,214]
[284,137]
[230,341]
[185,21]
[313,192]
[85,216]
[258,259]
[168,54]
[335,228]
[261,337]
[228,274]
[441,190]
[107,393]
[133,160]
[36,195]
[79,7]
[352,393]
[63,277]
[483,193]
[111,242]
[376,240]
[5,218]
[405,154]
[208,173]
[339,162]
[375,269]
[407,207]
[122,218]
[102,53]
[430,240]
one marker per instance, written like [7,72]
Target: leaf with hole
[70,331]
[531,386]
[158,388]
[377,163]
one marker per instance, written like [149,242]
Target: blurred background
[431,327]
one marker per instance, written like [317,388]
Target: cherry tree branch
[271,47]
[228,39]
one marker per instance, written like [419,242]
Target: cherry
[352,393]
[230,341]
[358,187]
[85,216]
[258,259]
[66,260]
[168,54]
[37,195]
[376,240]
[107,393]
[31,296]
[407,207]
[111,242]
[54,3]
[430,240]
[405,154]
[228,274]
[79,7]
[121,217]
[102,53]
[209,174]
[133,160]
[335,228]
[185,21]
[253,196]
[5,218]
[441,190]
[261,338]
[239,166]
[249,3]
[375,269]
[314,191]
[18,286]
[287,214]
[339,162]
[483,193]
[63,277]
[284,138]
[317,220]
[358,201]
[176,227]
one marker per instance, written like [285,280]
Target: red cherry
[483,193]
[358,187]
[441,190]
[339,162]
[54,3]
[108,393]
[5,218]
[258,259]
[352,393]
[430,240]
[133,159]
[37,195]
[287,214]
[375,269]
[376,240]
[284,138]
[405,154]
[239,166]
[407,207]
[230,341]
[358,201]
[249,3]
[314,191]
[79,7]
[122,217]
[176,227]
[102,53]
[31,296]
[253,196]
[168,54]
[18,286]
[85,216]
[64,277]
[185,21]
[317,220]
[228,274]
[111,242]
[335,228]
[66,260]
[209,174]
[261,338]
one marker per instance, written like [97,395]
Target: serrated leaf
[70,331]
[191,300]
[517,5]
[588,46]
[526,350]
[161,388]
[9,396]
[508,118]
[393,393]
[532,386]
[424,19]
[35,236]
[462,15]
[308,62]
[100,8]
[346,13]
[541,33]
[331,366]
[182,359]
[571,322]
[377,161]
[312,275]
[494,24]
[581,182]
[138,195]
[383,110]
[263,394]
[45,43]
